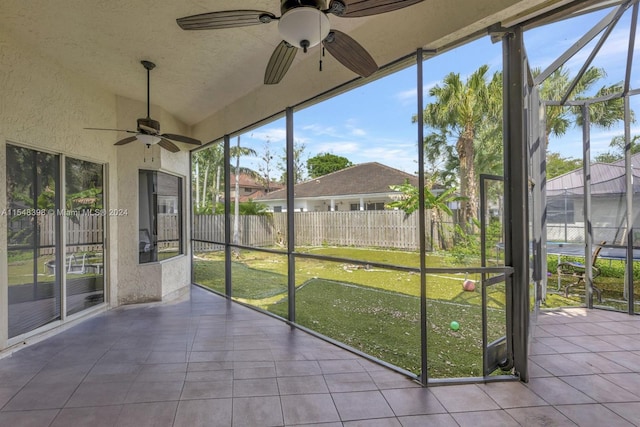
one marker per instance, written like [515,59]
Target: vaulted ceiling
[202,75]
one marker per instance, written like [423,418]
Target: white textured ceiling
[200,73]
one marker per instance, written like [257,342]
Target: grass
[374,310]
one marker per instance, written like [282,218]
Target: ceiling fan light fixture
[148,139]
[304,27]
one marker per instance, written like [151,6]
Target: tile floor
[208,362]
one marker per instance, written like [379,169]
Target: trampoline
[577,249]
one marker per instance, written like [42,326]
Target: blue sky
[373,123]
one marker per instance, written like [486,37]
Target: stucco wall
[153,281]
[45,107]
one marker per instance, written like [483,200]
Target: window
[160,231]
[355,206]
[375,206]
[277,208]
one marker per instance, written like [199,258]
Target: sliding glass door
[84,231]
[36,218]
[32,199]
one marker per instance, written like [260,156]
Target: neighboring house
[356,188]
[565,201]
[251,188]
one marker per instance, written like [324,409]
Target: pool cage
[533,210]
[598,204]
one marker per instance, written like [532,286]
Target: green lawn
[374,310]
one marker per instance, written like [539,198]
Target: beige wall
[46,107]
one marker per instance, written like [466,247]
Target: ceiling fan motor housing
[150,123]
[292,4]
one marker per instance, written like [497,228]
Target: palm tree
[460,109]
[559,119]
[436,203]
[205,161]
[237,152]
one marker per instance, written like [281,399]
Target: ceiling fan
[304,24]
[148,130]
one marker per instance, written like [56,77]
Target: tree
[618,143]
[206,161]
[459,111]
[558,165]
[298,164]
[559,119]
[237,152]
[438,204]
[265,169]
[408,201]
[326,163]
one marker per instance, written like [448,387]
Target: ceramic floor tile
[302,385]
[28,418]
[600,389]
[308,408]
[412,401]
[362,405]
[204,413]
[297,368]
[340,366]
[99,394]
[628,381]
[154,391]
[207,389]
[41,396]
[219,375]
[593,415]
[512,395]
[380,422]
[540,416]
[439,420]
[157,414]
[485,419]
[103,416]
[556,392]
[358,381]
[254,372]
[257,411]
[255,387]
[459,398]
[630,411]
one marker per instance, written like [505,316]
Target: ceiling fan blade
[117,130]
[225,19]
[168,145]
[279,64]
[350,53]
[356,8]
[126,140]
[181,138]
[148,129]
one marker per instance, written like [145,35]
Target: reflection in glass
[160,221]
[84,267]
[34,288]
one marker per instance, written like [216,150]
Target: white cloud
[341,148]
[273,135]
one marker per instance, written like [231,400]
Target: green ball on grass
[454,325]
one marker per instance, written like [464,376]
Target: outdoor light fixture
[304,27]
[148,139]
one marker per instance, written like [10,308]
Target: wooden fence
[384,229]
[85,232]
